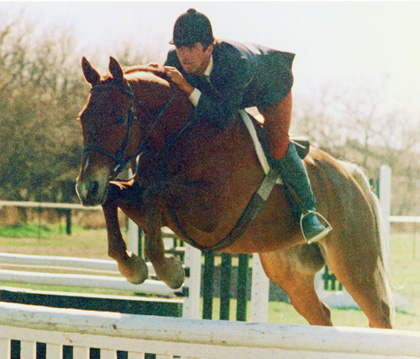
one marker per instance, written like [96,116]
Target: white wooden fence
[149,287]
[190,338]
[259,304]
[192,284]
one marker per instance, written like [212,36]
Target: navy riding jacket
[243,75]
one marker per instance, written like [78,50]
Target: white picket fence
[190,338]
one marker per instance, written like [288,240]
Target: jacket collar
[209,67]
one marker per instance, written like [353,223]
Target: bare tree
[42,90]
[358,126]
[38,94]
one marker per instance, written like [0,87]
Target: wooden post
[385,202]
[243,280]
[133,237]
[208,285]
[260,289]
[68,221]
[192,262]
[225,276]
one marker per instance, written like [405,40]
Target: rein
[119,157]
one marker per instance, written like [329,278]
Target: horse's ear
[91,75]
[115,69]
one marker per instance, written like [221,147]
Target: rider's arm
[220,103]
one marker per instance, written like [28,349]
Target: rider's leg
[287,163]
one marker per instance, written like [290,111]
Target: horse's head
[107,125]
[121,111]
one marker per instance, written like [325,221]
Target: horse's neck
[163,109]
[149,89]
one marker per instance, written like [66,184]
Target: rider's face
[194,59]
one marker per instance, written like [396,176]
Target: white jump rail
[404,219]
[104,265]
[61,262]
[189,338]
[149,287]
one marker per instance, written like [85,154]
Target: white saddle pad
[257,145]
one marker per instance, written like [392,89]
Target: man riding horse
[221,77]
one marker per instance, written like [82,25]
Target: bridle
[119,158]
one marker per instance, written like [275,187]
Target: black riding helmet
[192,27]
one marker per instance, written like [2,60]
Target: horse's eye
[120,119]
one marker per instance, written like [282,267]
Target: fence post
[385,203]
[192,262]
[133,237]
[208,285]
[68,221]
[243,280]
[260,289]
[225,277]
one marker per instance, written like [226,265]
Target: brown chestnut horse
[197,180]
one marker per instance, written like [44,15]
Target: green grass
[30,230]
[404,264]
[37,230]
[52,240]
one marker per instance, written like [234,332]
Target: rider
[238,76]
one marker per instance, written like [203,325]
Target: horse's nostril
[94,188]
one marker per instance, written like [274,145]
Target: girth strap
[254,206]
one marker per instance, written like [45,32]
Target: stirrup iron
[320,235]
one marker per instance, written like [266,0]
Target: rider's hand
[178,79]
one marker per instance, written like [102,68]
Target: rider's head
[192,27]
[193,39]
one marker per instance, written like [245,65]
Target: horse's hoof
[175,273]
[138,271]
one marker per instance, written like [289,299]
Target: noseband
[119,157]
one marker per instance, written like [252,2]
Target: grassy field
[51,240]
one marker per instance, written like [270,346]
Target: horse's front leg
[132,267]
[168,269]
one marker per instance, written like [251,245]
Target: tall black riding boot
[293,173]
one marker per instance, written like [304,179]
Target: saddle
[259,139]
[260,196]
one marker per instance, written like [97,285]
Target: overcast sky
[337,44]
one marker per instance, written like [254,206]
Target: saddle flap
[301,143]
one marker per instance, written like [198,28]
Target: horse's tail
[373,201]
[361,179]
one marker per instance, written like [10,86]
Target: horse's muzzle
[92,192]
